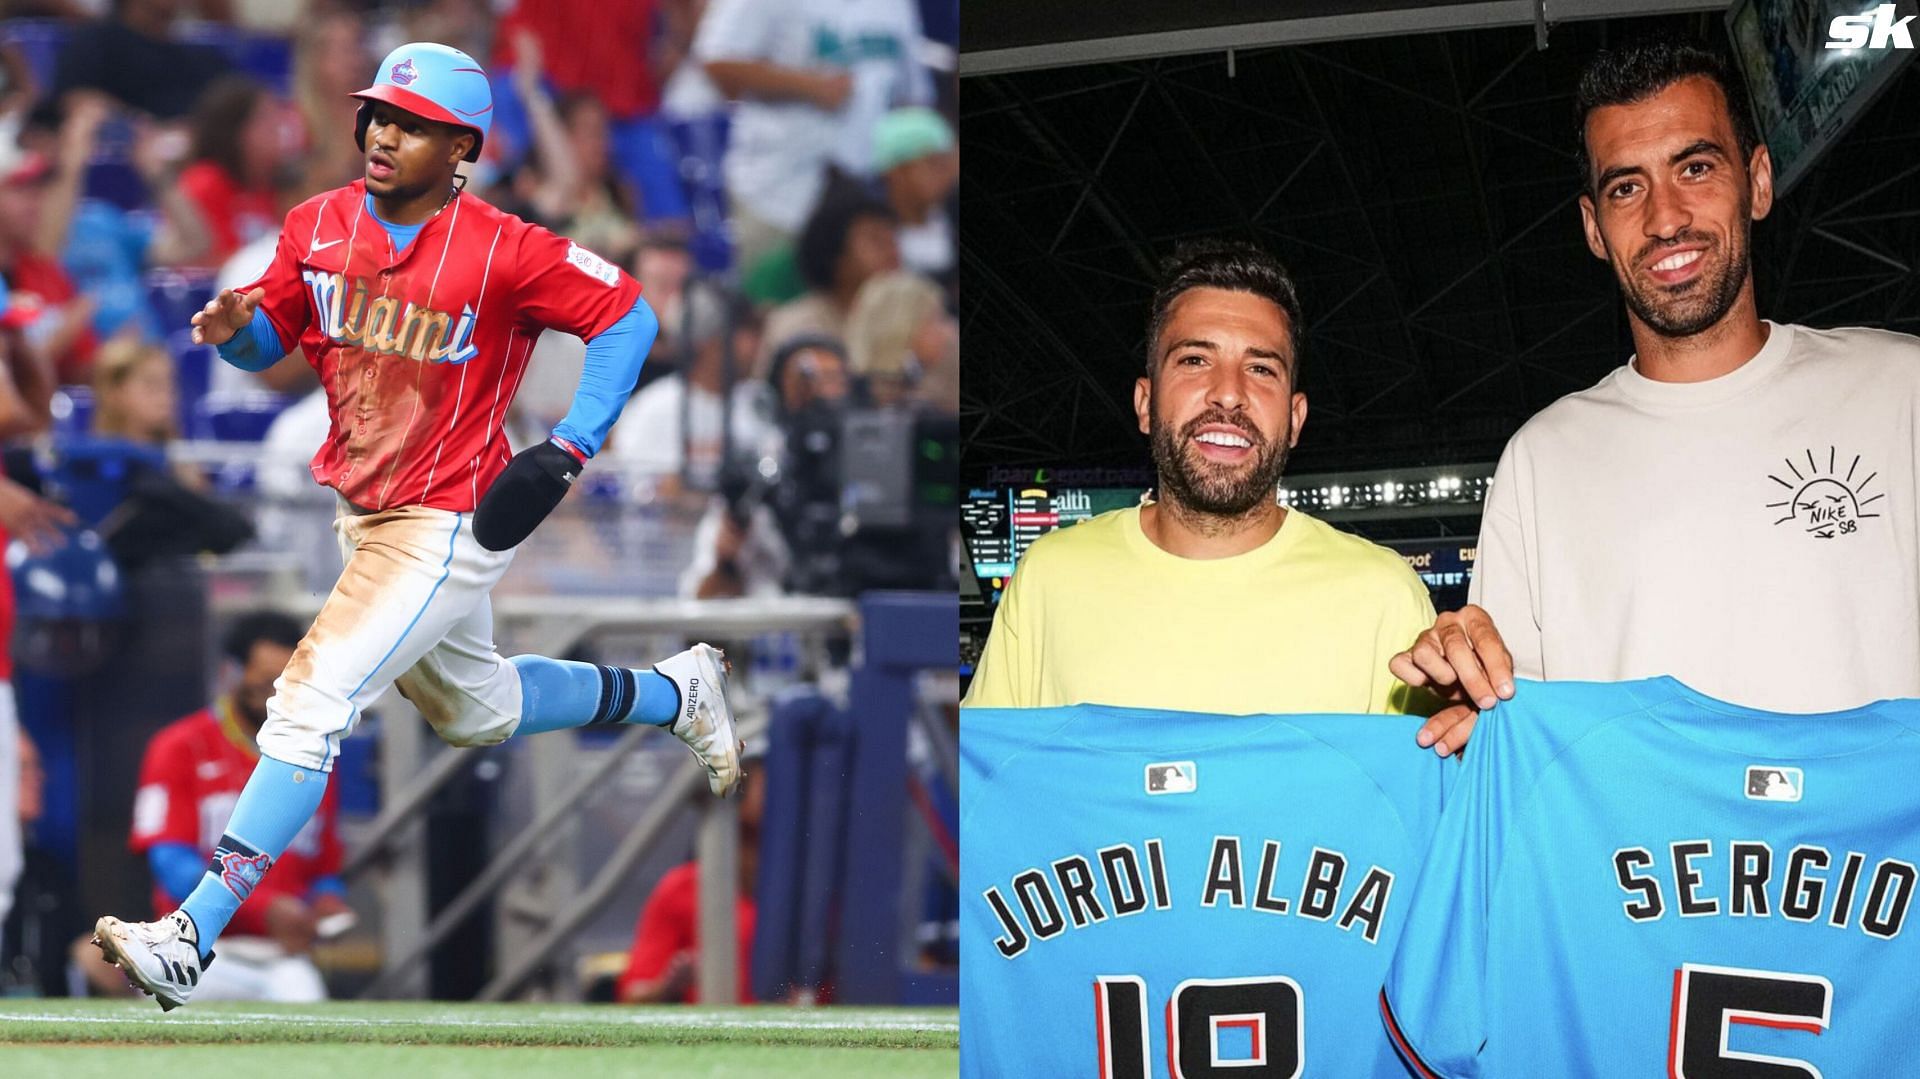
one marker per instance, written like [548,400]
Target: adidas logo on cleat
[693,697]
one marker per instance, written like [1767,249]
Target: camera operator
[810,378]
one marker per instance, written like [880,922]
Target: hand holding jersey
[1463,659]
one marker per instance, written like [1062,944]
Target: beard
[394,189]
[1215,489]
[1697,304]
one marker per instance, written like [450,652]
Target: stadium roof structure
[1413,165]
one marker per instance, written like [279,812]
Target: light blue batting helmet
[438,82]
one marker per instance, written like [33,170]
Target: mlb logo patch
[592,265]
[1172,777]
[1770,783]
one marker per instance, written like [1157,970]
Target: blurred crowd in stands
[779,174]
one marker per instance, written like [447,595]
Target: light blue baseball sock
[278,800]
[557,694]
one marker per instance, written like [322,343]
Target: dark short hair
[785,355]
[1643,68]
[251,629]
[1223,264]
[823,239]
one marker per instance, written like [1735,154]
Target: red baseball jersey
[421,350]
[670,925]
[191,778]
[38,283]
[235,215]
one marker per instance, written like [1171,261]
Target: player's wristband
[533,484]
[579,454]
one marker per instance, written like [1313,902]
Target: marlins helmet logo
[403,72]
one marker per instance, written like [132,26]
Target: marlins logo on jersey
[343,312]
[1167,894]
[1642,880]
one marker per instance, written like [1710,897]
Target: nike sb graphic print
[1828,495]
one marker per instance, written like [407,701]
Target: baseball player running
[418,305]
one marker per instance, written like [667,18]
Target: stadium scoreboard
[1000,523]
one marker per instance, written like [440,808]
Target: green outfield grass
[342,1040]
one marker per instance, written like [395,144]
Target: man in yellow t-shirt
[1212,597]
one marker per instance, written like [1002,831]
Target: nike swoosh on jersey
[318,246]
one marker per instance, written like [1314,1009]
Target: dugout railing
[563,778]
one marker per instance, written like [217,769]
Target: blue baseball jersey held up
[1635,879]
[1161,894]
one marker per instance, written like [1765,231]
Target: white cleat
[705,720]
[161,959]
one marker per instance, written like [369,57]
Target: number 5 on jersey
[1709,1001]
[1205,1018]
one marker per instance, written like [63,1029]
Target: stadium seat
[39,42]
[176,294]
[236,417]
[702,144]
[264,57]
[192,371]
[72,412]
[233,479]
[91,474]
[111,175]
[511,127]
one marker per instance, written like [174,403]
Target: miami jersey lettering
[418,333]
[1637,879]
[420,351]
[1162,894]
